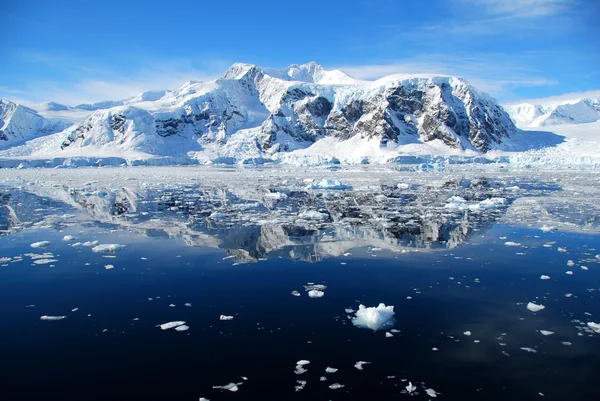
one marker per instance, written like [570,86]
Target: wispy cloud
[521,8]
[88,82]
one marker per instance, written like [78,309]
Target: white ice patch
[46,317]
[546,332]
[295,293]
[528,349]
[544,277]
[431,392]
[548,229]
[331,370]
[170,325]
[108,248]
[535,307]
[316,294]
[225,317]
[69,238]
[359,365]
[108,267]
[313,215]
[510,243]
[183,327]
[44,261]
[302,362]
[594,326]
[40,244]
[410,388]
[233,387]
[336,386]
[374,318]
[329,184]
[90,243]
[467,333]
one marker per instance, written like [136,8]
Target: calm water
[111,348]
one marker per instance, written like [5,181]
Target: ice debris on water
[296,293]
[183,327]
[510,243]
[431,392]
[544,277]
[467,333]
[108,267]
[170,325]
[594,326]
[336,386]
[528,349]
[410,388]
[329,184]
[68,238]
[40,244]
[331,370]
[90,243]
[233,387]
[44,261]
[108,248]
[569,273]
[533,307]
[46,317]
[570,263]
[316,294]
[546,332]
[300,386]
[388,334]
[548,229]
[374,318]
[359,365]
[225,317]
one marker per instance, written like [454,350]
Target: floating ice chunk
[560,249]
[546,332]
[510,243]
[44,261]
[467,333]
[302,362]
[544,277]
[323,379]
[189,305]
[299,370]
[359,365]
[46,317]
[528,349]
[535,307]
[567,343]
[431,392]
[314,215]
[349,310]
[570,263]
[108,267]
[492,203]
[316,294]
[403,186]
[336,386]
[171,305]
[217,215]
[183,327]
[329,184]
[301,385]
[5,260]
[76,244]
[108,248]
[69,238]
[584,268]
[233,387]
[225,317]
[331,370]
[374,318]
[569,272]
[170,325]
[296,293]
[40,244]
[410,388]
[90,243]
[388,334]
[548,229]
[594,326]
[203,399]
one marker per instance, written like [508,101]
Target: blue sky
[85,51]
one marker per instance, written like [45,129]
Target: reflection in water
[281,221]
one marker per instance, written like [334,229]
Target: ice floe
[46,317]
[40,244]
[336,386]
[233,387]
[594,326]
[528,349]
[183,327]
[359,365]
[44,261]
[544,277]
[546,332]
[108,267]
[329,184]
[331,370]
[90,243]
[108,248]
[533,307]
[374,318]
[170,325]
[316,294]
[68,238]
[225,317]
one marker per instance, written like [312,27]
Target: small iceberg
[68,238]
[316,294]
[225,317]
[170,325]
[374,318]
[594,326]
[111,248]
[359,365]
[40,244]
[535,307]
[51,318]
[329,184]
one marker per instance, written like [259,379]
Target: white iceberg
[40,244]
[108,267]
[374,318]
[46,317]
[69,238]
[170,325]
[594,326]
[183,327]
[359,365]
[331,370]
[329,184]
[510,243]
[316,294]
[535,307]
[225,317]
[108,248]
[90,243]
[336,386]
[544,277]
[546,332]
[431,392]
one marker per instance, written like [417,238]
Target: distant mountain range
[260,114]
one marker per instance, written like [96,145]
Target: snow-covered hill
[19,124]
[578,111]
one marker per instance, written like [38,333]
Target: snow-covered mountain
[256,112]
[19,124]
[579,111]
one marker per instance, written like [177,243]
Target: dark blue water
[99,352]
